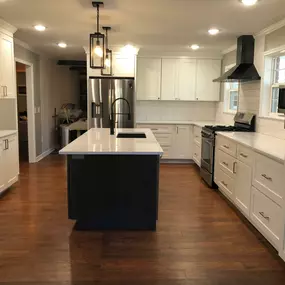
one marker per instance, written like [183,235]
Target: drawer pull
[263,215]
[226,146]
[224,183]
[234,167]
[243,155]
[266,177]
[226,164]
[154,129]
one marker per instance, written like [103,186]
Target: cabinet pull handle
[226,146]
[266,177]
[177,130]
[3,92]
[6,88]
[234,167]
[225,163]
[243,155]
[224,183]
[265,217]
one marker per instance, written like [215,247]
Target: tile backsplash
[175,111]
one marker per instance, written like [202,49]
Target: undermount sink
[131,135]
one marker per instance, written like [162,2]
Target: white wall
[175,111]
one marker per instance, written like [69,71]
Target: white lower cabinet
[182,142]
[267,217]
[255,185]
[243,187]
[9,161]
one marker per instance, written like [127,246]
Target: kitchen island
[113,180]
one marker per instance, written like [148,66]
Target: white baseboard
[44,154]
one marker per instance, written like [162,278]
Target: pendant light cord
[97,18]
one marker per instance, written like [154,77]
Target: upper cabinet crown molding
[7,28]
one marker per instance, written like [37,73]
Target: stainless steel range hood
[244,70]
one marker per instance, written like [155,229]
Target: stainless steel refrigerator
[112,95]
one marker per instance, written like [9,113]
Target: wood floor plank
[200,238]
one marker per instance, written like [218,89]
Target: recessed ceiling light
[213,31]
[195,47]
[62,45]
[249,2]
[40,28]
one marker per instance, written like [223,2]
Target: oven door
[207,154]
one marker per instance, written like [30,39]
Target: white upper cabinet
[169,79]
[123,66]
[207,70]
[7,67]
[179,79]
[148,78]
[186,84]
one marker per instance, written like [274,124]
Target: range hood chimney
[244,70]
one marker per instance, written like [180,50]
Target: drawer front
[227,163]
[225,183]
[163,139]
[166,152]
[197,135]
[269,178]
[197,154]
[245,155]
[267,217]
[227,146]
[158,129]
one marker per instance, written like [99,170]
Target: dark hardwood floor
[200,238]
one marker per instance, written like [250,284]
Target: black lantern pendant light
[107,70]
[97,44]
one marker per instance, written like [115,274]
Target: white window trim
[266,98]
[226,107]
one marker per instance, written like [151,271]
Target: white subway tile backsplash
[175,111]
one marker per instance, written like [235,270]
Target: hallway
[200,239]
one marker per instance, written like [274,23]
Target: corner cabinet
[7,67]
[207,70]
[148,81]
[178,79]
[9,161]
[183,142]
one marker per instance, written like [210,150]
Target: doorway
[25,109]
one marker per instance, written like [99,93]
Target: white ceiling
[171,24]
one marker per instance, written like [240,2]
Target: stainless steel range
[244,122]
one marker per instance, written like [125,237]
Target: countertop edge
[9,132]
[277,159]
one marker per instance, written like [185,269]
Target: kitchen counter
[113,183]
[267,145]
[196,123]
[100,142]
[7,133]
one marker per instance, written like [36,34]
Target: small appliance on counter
[112,102]
[244,122]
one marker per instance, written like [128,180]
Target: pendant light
[97,44]
[107,70]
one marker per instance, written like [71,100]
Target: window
[231,92]
[278,78]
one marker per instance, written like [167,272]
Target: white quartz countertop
[196,123]
[267,145]
[7,133]
[99,141]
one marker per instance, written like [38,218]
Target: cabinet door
[243,187]
[169,79]
[182,148]
[11,160]
[148,78]
[7,66]
[123,66]
[2,173]
[186,81]
[206,89]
